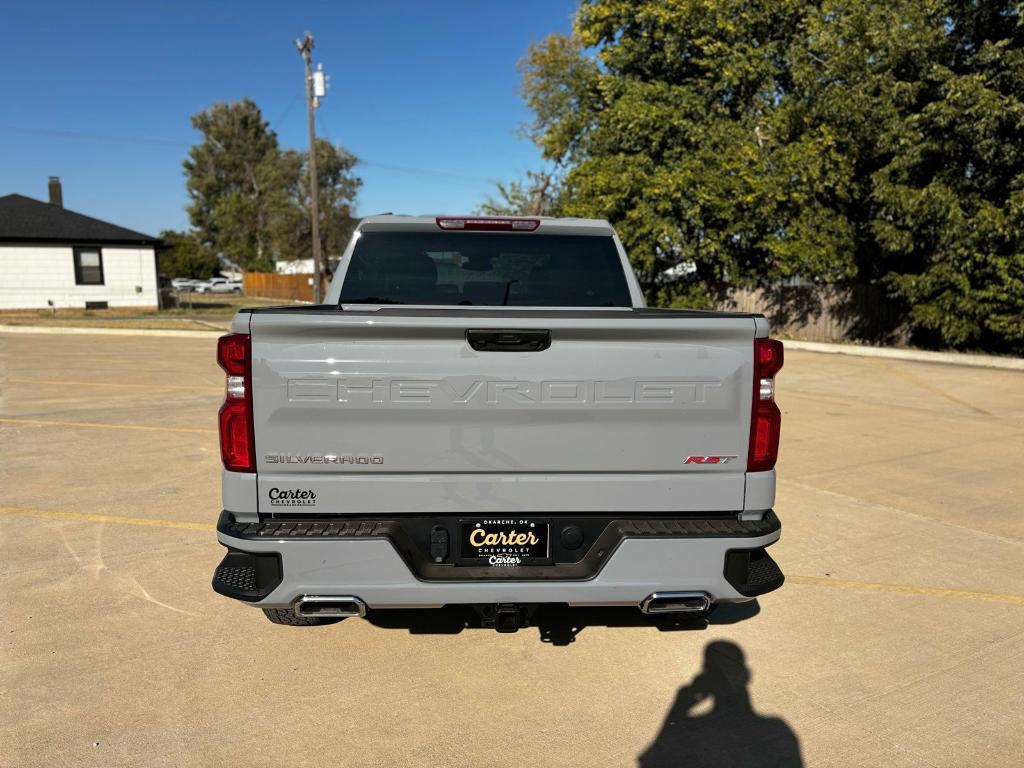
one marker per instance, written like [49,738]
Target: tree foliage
[186,256]
[736,143]
[536,195]
[249,198]
[238,180]
[338,187]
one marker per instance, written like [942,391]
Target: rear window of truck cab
[485,269]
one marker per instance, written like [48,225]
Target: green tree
[665,134]
[922,99]
[338,187]
[240,184]
[739,142]
[186,256]
[950,196]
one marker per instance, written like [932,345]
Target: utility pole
[305,47]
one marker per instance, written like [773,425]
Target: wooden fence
[270,285]
[827,313]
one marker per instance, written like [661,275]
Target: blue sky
[101,94]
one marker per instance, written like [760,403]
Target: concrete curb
[915,355]
[77,330]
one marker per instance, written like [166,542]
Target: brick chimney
[56,195]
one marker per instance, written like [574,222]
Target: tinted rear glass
[484,268]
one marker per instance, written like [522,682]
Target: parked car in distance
[183,284]
[219,285]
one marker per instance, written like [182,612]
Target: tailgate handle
[509,341]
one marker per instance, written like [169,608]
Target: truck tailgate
[393,411]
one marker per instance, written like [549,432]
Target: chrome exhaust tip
[343,606]
[676,602]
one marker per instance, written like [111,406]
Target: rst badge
[709,459]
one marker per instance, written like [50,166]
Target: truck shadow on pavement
[730,733]
[557,624]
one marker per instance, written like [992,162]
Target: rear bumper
[386,563]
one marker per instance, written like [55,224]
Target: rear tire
[287,617]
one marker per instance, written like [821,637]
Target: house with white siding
[53,257]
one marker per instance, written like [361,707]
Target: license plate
[504,542]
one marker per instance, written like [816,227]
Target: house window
[88,266]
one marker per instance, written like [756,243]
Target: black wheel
[287,616]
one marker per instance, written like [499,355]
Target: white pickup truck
[483,413]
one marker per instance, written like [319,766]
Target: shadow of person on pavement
[730,733]
[560,626]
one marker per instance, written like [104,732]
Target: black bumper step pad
[240,578]
[246,575]
[752,572]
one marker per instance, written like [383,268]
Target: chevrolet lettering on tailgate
[380,390]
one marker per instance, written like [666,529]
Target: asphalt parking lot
[898,639]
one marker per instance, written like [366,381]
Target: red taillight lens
[765,416]
[764,437]
[768,356]
[236,437]
[233,353]
[237,449]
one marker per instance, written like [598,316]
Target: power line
[288,109]
[326,131]
[427,172]
[176,143]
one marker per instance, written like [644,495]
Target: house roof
[24,220]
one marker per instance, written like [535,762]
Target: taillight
[488,223]
[237,449]
[765,416]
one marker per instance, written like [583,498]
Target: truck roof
[551,225]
